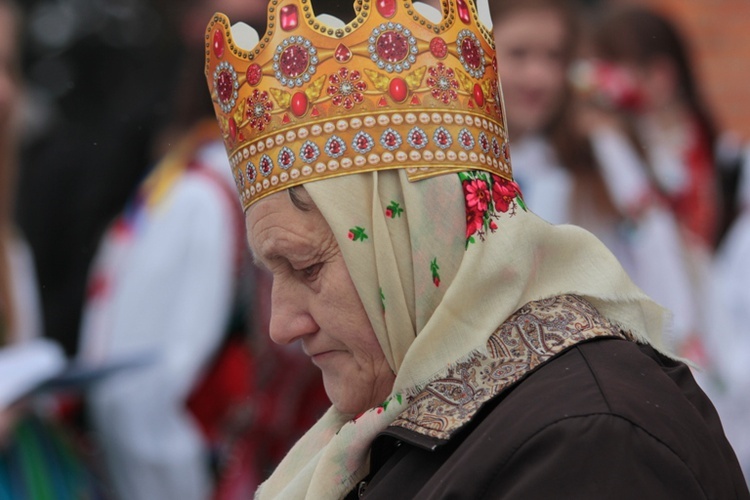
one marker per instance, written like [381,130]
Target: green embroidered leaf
[434,268]
[521,203]
[357,233]
[382,298]
[393,210]
[399,399]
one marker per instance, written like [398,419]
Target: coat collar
[532,336]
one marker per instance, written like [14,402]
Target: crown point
[342,54]
[218,43]
[386,8]
[398,89]
[438,47]
[254,74]
[478,95]
[299,104]
[289,17]
[463,11]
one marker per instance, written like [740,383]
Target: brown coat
[607,418]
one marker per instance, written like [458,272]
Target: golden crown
[391,89]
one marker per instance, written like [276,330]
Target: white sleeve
[174,297]
[621,168]
[25,291]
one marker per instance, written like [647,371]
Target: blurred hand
[590,117]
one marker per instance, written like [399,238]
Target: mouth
[321,356]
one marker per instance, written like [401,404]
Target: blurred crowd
[121,239]
[610,131]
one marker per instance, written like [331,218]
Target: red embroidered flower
[388,213]
[477,195]
[259,109]
[346,88]
[442,79]
[504,192]
[474,222]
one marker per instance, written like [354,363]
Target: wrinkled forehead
[284,223]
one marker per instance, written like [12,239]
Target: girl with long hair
[576,163]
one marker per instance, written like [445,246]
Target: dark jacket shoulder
[605,419]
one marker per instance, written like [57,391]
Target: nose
[290,316]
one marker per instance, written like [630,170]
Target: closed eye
[311,272]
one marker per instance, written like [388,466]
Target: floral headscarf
[439,264]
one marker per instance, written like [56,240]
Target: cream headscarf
[439,264]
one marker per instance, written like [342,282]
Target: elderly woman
[470,349]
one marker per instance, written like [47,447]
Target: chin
[348,407]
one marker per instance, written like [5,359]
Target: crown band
[389,90]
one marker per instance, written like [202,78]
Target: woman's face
[314,301]
[8,66]
[531,61]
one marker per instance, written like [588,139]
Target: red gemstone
[415,100]
[294,61]
[417,138]
[315,112]
[438,47]
[386,8]
[390,140]
[470,53]
[478,95]
[289,17]
[392,47]
[382,102]
[335,148]
[218,44]
[299,104]
[286,119]
[463,11]
[342,54]
[232,129]
[225,86]
[471,104]
[309,153]
[398,89]
[254,74]
[363,143]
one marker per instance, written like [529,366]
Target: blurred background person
[166,282]
[672,119]
[171,279]
[729,337]
[575,161]
[100,80]
[38,458]
[674,125]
